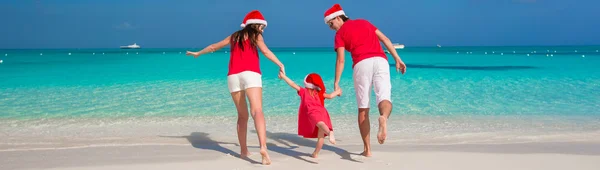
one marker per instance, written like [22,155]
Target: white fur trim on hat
[310,85]
[333,15]
[254,21]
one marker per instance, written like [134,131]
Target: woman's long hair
[251,31]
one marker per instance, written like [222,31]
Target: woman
[370,68]
[244,77]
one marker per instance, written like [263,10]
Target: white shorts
[244,80]
[374,72]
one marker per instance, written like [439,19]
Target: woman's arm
[211,48]
[260,42]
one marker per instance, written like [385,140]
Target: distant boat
[133,46]
[439,46]
[396,46]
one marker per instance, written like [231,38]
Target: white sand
[149,144]
[293,154]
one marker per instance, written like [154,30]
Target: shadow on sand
[287,138]
[201,140]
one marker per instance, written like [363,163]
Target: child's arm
[332,95]
[211,48]
[288,81]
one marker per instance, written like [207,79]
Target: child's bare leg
[323,127]
[319,144]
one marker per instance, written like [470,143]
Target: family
[370,70]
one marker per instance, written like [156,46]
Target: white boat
[439,46]
[396,46]
[133,46]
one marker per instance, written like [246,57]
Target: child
[313,118]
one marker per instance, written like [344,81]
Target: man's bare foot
[315,154]
[331,138]
[366,153]
[382,134]
[245,154]
[265,157]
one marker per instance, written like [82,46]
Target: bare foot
[366,153]
[382,134]
[245,154]
[315,154]
[265,157]
[331,138]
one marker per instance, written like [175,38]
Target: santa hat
[314,81]
[334,11]
[254,17]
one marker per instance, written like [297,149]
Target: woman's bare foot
[366,153]
[265,157]
[382,134]
[245,154]
[315,154]
[331,138]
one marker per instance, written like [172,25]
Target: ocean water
[449,93]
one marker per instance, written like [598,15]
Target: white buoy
[1,61]
[551,55]
[93,53]
[493,52]
[554,51]
[547,50]
[485,53]
[527,55]
[575,50]
[582,55]
[163,52]
[179,52]
[41,54]
[534,51]
[102,53]
[294,53]
[547,55]
[457,52]
[127,53]
[69,53]
[225,52]
[136,52]
[596,50]
[501,53]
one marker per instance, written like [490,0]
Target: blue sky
[294,23]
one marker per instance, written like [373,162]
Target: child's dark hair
[251,31]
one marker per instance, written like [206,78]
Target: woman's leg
[255,96]
[239,98]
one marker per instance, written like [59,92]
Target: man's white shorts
[244,80]
[372,72]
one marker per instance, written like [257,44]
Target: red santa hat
[314,81]
[254,17]
[334,11]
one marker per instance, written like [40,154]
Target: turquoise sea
[522,89]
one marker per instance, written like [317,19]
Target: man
[370,68]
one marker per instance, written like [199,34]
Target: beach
[455,108]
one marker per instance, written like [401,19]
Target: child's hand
[281,75]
